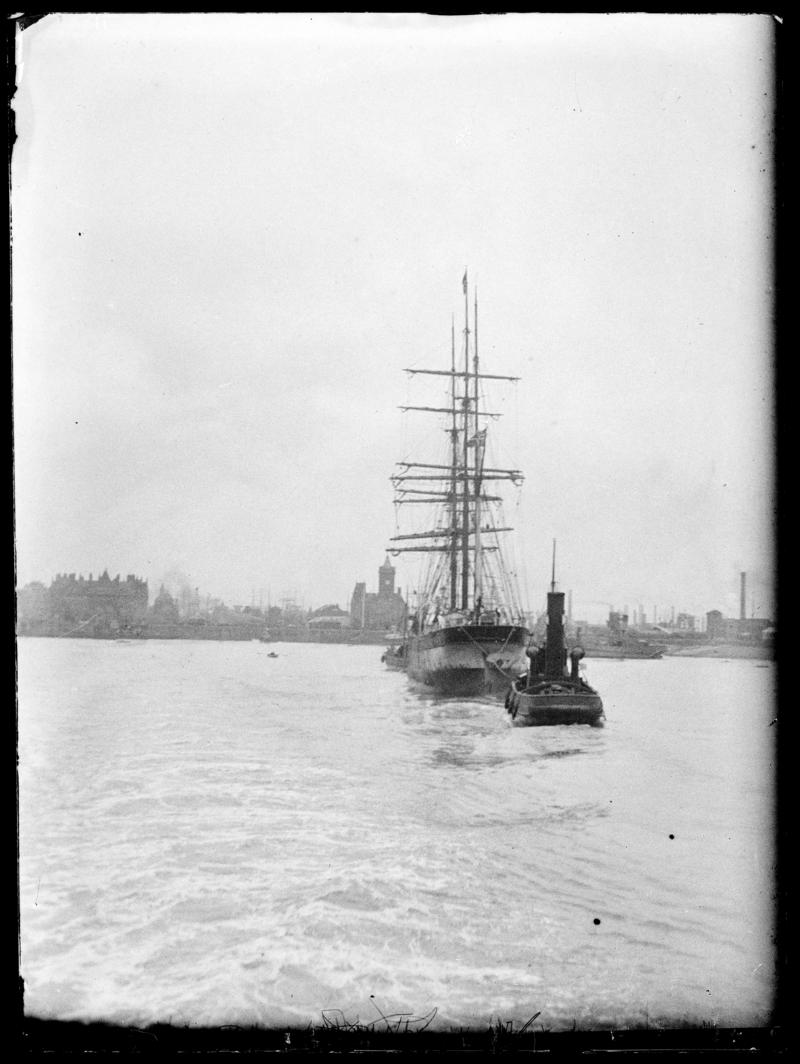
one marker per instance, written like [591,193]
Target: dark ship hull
[467,660]
[548,703]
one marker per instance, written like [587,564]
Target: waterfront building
[378,611]
[33,606]
[165,608]
[74,604]
[735,630]
[331,616]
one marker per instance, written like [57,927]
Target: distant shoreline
[721,650]
[228,634]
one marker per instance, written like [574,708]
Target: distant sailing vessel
[550,692]
[466,634]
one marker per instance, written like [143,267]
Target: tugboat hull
[551,703]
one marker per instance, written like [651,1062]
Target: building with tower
[381,610]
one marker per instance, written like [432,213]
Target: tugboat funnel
[554,658]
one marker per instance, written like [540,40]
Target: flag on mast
[464,282]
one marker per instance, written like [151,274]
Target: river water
[211,836]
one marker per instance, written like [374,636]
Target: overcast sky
[231,233]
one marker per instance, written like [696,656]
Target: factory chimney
[743,598]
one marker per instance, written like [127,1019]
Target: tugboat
[550,692]
[394,657]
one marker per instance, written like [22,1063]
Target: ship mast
[453,480]
[478,441]
[465,511]
[460,485]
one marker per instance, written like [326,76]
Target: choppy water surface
[210,836]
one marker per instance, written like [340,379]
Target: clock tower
[386,579]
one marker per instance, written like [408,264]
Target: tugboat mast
[553,577]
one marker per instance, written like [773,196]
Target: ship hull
[551,703]
[468,660]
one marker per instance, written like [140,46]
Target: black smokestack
[743,597]
[554,648]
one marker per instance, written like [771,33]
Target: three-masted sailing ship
[466,632]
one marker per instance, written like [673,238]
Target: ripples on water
[210,836]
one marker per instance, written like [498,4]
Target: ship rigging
[457,487]
[467,582]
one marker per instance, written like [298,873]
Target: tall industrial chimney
[743,598]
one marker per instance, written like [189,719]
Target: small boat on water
[272,654]
[394,657]
[553,691]
[466,633]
